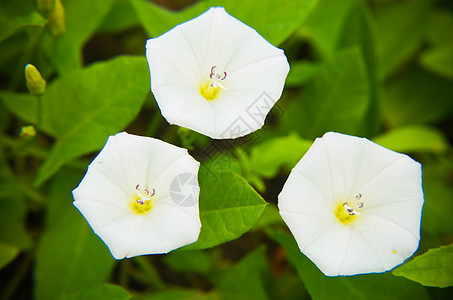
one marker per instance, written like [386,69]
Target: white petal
[335,169]
[181,59]
[108,190]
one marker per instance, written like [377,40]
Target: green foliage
[226,211]
[78,258]
[99,291]
[335,99]
[14,17]
[434,268]
[413,138]
[378,69]
[7,254]
[273,22]
[375,286]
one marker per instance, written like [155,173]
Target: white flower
[353,206]
[215,75]
[140,196]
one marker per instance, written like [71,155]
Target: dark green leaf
[69,256]
[189,261]
[243,281]
[371,286]
[13,17]
[433,268]
[7,254]
[99,291]
[439,60]
[401,26]
[336,99]
[417,97]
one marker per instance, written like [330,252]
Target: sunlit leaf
[370,286]
[229,207]
[267,157]
[275,21]
[413,138]
[433,268]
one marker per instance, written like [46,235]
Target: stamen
[145,196]
[216,77]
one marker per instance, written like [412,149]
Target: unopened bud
[57,19]
[35,83]
[46,6]
[28,131]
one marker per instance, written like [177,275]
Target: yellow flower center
[347,212]
[141,203]
[211,88]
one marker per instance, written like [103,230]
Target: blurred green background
[382,69]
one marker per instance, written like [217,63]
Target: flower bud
[35,83]
[28,131]
[57,19]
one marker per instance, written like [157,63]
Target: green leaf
[413,138]
[12,214]
[325,24]
[370,286]
[177,294]
[336,99]
[433,268]
[229,207]
[82,19]
[439,29]
[401,26]
[188,261]
[438,205]
[7,254]
[120,17]
[14,16]
[439,60]
[267,157]
[360,31]
[24,106]
[275,21]
[270,216]
[99,291]
[243,281]
[417,97]
[70,257]
[82,108]
[300,72]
